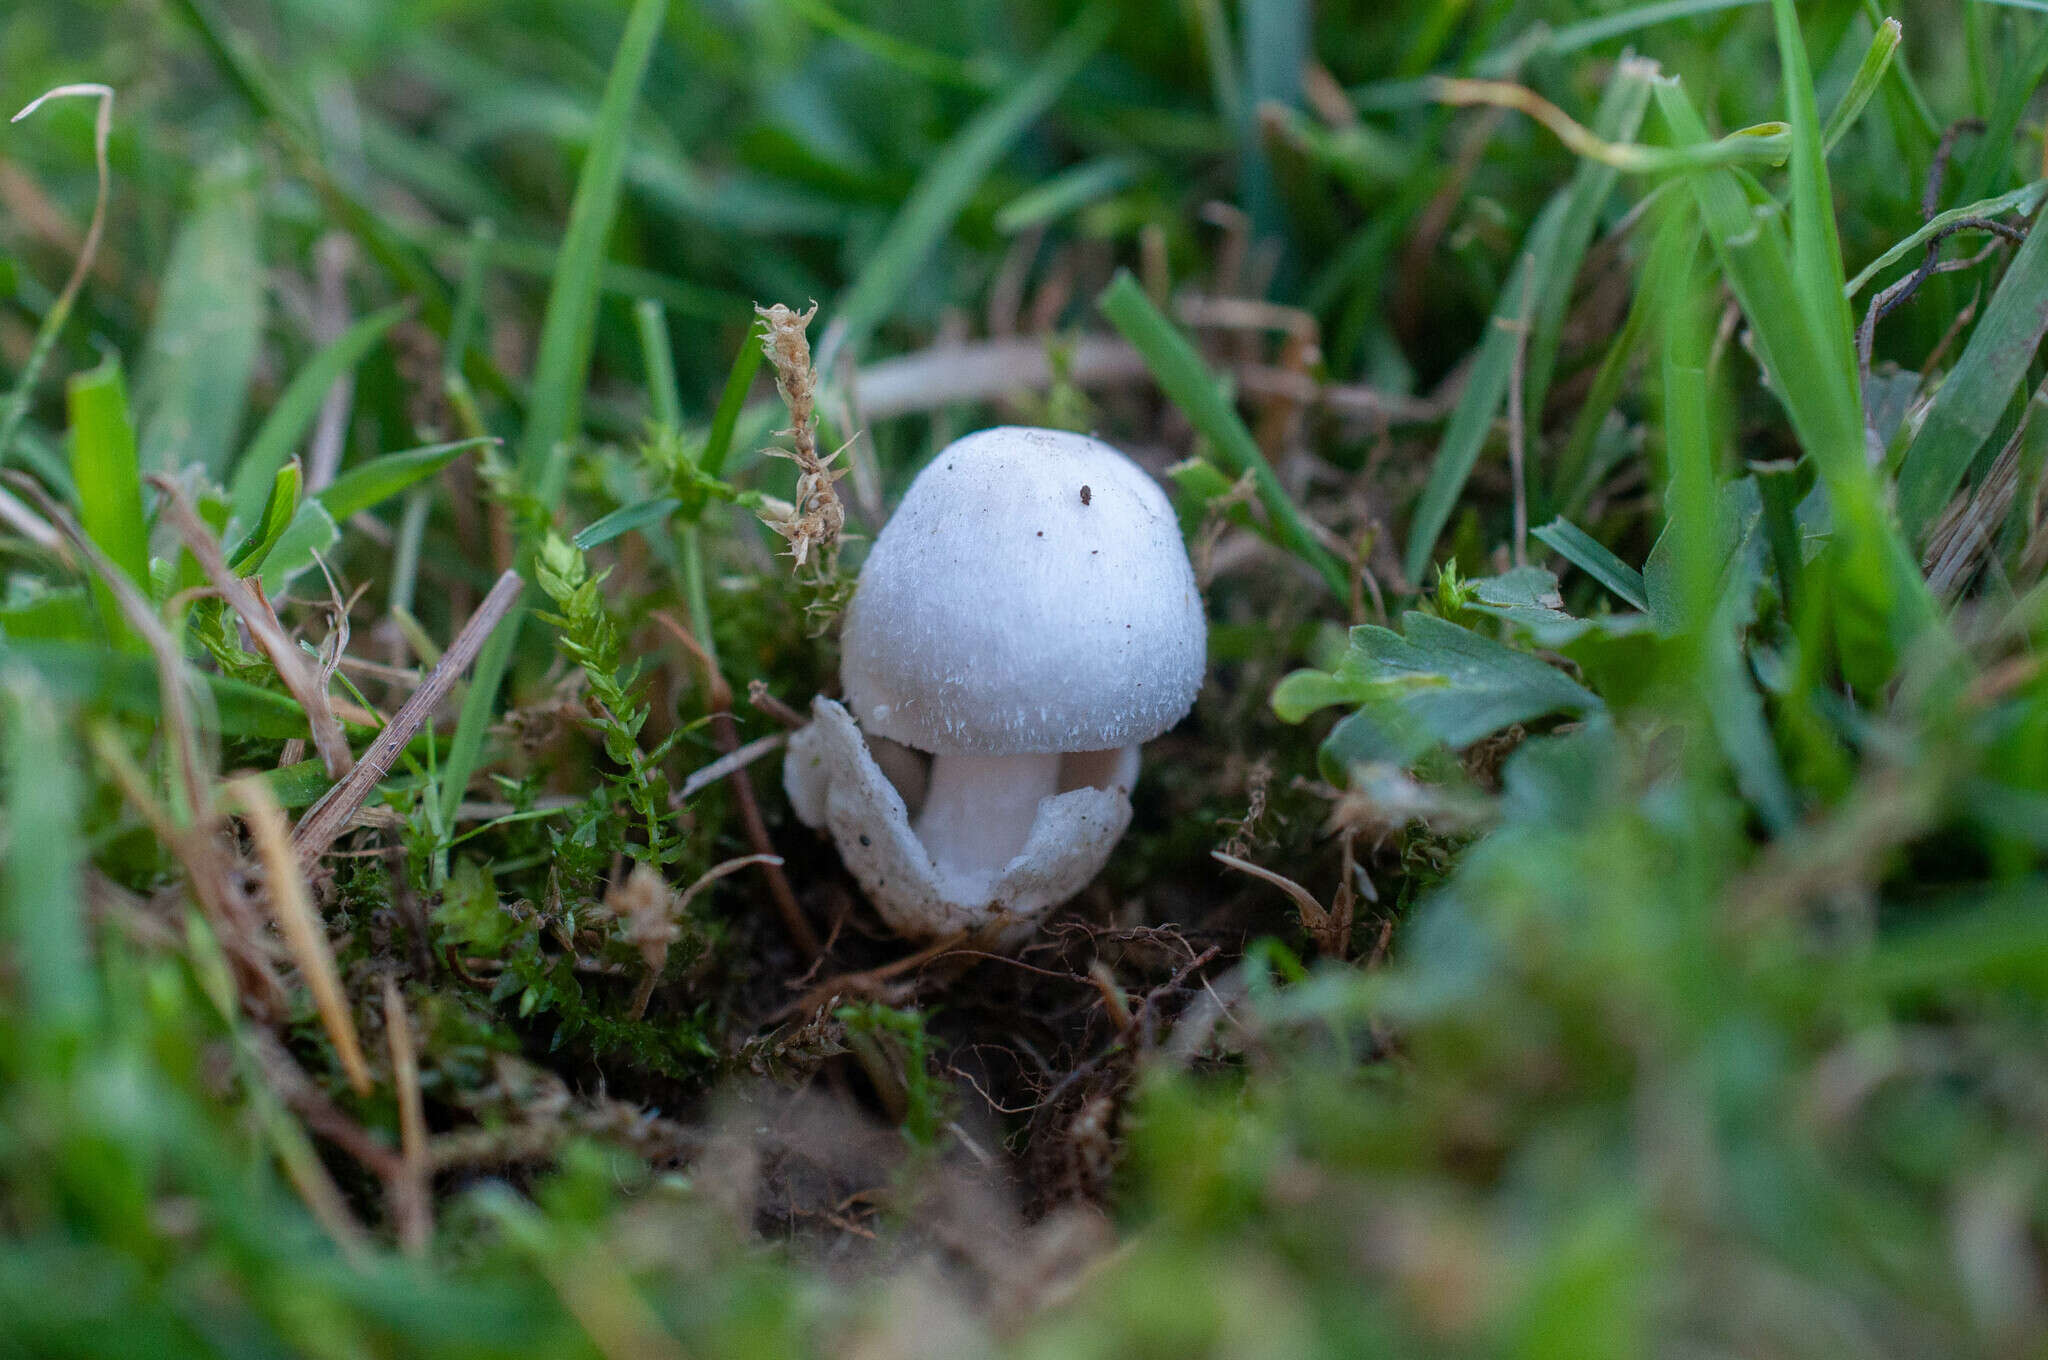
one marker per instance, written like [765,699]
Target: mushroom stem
[978,810]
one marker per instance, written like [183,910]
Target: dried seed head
[812,525]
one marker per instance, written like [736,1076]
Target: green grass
[1649,947]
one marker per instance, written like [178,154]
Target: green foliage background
[1672,973]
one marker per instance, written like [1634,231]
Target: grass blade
[2025,200]
[1591,556]
[192,385]
[105,467]
[662,393]
[569,331]
[1992,160]
[625,519]
[1276,47]
[1882,604]
[1710,613]
[41,880]
[568,335]
[15,408]
[1974,396]
[1188,384]
[1816,246]
[1877,61]
[1067,192]
[732,400]
[955,173]
[1551,255]
[378,480]
[293,415]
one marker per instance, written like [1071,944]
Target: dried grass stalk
[293,909]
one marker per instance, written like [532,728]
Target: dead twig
[1890,299]
[327,819]
[759,696]
[989,370]
[727,764]
[864,983]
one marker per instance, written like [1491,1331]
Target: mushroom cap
[1031,594]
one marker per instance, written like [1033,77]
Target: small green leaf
[376,481]
[1526,595]
[312,530]
[1437,685]
[278,510]
[627,518]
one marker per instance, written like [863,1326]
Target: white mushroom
[1027,618]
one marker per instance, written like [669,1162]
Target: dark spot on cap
[1086,495]
[1041,533]
[865,841]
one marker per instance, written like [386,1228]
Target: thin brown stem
[327,818]
[725,732]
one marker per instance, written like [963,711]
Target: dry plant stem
[1890,299]
[209,877]
[1578,138]
[764,701]
[1331,930]
[657,1139]
[331,317]
[299,925]
[988,370]
[813,523]
[1518,418]
[863,983]
[247,600]
[31,526]
[726,733]
[725,765]
[329,817]
[1136,1028]
[323,1198]
[620,1324]
[15,409]
[320,1114]
[412,1211]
